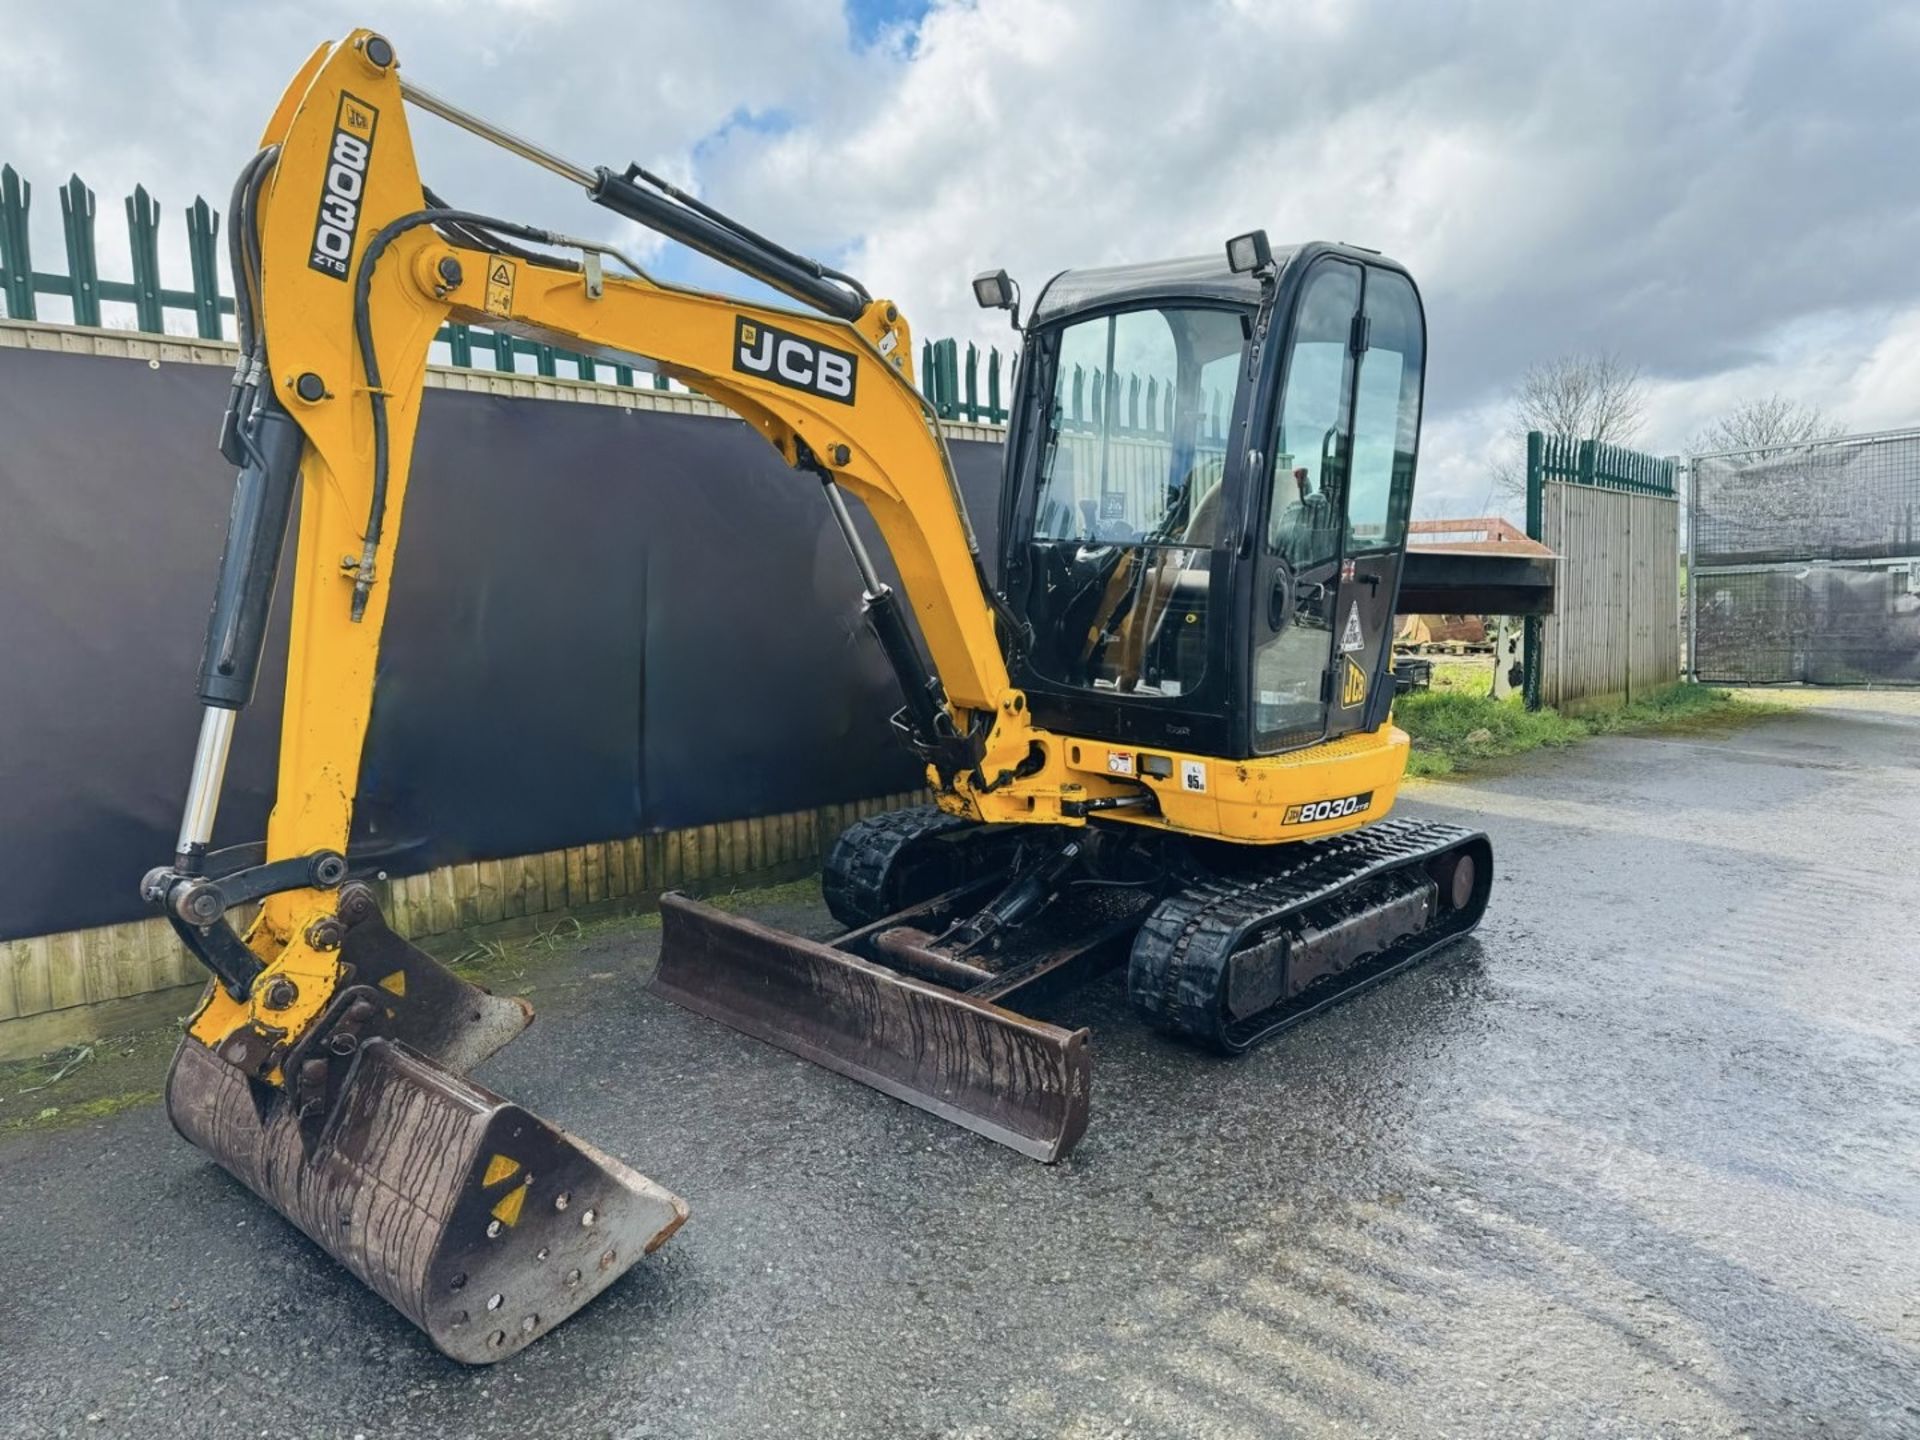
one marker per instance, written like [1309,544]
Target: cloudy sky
[1726,194]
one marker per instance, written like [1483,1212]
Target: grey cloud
[1699,186]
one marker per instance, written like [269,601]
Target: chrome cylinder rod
[505,139]
[869,576]
[209,772]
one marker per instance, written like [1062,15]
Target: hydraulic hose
[370,362]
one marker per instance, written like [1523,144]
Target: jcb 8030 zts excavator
[1159,736]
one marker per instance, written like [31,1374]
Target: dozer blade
[480,1222]
[1012,1079]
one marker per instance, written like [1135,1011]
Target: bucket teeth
[480,1222]
[1012,1079]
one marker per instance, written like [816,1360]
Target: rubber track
[855,877]
[1177,974]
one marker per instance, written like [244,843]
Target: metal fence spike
[16,255]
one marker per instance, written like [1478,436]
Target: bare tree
[1590,397]
[1767,425]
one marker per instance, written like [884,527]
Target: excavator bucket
[480,1222]
[1016,1080]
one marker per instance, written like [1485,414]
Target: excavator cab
[1204,511]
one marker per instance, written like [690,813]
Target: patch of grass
[1452,729]
[55,1117]
[1455,731]
[1468,677]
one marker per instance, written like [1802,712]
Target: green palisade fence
[955,391]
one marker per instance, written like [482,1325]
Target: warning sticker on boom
[499,299]
[1351,638]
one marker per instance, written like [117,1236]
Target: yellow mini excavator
[1158,737]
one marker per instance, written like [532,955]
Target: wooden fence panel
[1615,631]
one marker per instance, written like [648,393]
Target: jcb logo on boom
[348,156]
[790,360]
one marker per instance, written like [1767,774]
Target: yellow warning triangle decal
[501,274]
[499,1168]
[507,1212]
[396,983]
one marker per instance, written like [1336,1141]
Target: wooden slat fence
[1612,516]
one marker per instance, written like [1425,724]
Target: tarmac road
[1641,1159]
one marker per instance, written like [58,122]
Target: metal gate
[1803,563]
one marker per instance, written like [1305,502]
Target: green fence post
[503,352]
[16,257]
[946,369]
[623,374]
[929,385]
[972,405]
[587,370]
[460,345]
[203,223]
[1531,638]
[143,236]
[995,411]
[83,266]
[660,381]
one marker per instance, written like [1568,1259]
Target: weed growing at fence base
[1455,731]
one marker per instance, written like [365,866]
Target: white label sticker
[1120,762]
[1193,775]
[1351,639]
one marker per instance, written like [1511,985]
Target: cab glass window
[1386,415]
[1127,514]
[1308,476]
[1140,408]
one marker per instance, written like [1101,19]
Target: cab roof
[1198,277]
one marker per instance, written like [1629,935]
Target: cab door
[1390,357]
[1300,533]
[1339,485]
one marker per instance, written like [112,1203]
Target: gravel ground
[1639,1159]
